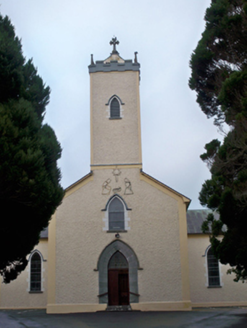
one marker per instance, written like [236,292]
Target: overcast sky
[60,36]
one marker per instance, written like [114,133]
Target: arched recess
[115,107]
[36,271]
[213,269]
[102,266]
[36,251]
[112,97]
[108,227]
[110,199]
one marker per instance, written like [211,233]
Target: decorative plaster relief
[106,189]
[117,190]
[128,188]
[116,172]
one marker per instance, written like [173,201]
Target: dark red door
[113,286]
[123,288]
[118,287]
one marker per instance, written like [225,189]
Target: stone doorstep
[118,308]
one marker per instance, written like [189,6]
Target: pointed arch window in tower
[116,214]
[115,108]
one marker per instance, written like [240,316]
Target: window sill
[114,231]
[35,292]
[115,118]
[214,286]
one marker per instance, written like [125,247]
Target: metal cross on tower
[114,42]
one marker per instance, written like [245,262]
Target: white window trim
[206,267]
[106,217]
[108,109]
[29,272]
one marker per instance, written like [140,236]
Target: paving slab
[199,318]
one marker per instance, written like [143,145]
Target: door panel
[123,287]
[118,287]
[113,287]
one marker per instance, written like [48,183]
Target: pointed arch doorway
[118,280]
[104,264]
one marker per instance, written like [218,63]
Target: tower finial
[92,62]
[114,41]
[135,60]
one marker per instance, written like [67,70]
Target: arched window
[116,214]
[115,108]
[35,272]
[213,269]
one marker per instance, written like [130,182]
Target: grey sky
[61,35]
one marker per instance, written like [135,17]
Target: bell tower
[115,110]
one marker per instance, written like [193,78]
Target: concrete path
[206,318]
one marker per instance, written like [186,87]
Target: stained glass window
[116,215]
[115,109]
[35,276]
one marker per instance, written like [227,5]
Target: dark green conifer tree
[30,187]
[219,77]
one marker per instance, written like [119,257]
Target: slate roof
[195,219]
[44,233]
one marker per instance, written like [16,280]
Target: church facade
[120,237]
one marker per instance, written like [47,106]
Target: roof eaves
[185,199]
[73,185]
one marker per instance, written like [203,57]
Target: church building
[121,238]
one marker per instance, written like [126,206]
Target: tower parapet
[114,66]
[114,63]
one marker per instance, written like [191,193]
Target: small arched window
[116,214]
[213,269]
[115,108]
[35,272]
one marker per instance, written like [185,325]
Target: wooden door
[113,287]
[123,288]
[118,287]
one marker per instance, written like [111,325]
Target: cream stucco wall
[231,293]
[154,235]
[17,295]
[115,140]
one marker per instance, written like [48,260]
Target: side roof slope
[195,218]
